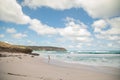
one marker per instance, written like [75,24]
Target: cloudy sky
[73,24]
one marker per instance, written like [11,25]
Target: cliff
[5,47]
[47,48]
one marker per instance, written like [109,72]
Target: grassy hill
[5,47]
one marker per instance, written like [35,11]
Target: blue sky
[74,25]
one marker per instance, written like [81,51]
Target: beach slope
[26,67]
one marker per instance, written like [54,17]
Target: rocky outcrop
[5,47]
[47,48]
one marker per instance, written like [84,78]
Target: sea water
[94,58]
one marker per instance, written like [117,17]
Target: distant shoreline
[6,47]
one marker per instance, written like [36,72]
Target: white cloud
[101,8]
[59,4]
[19,35]
[113,45]
[31,42]
[99,25]
[10,30]
[110,45]
[41,29]
[112,33]
[2,35]
[14,34]
[75,31]
[11,11]
[115,26]
[108,37]
[96,9]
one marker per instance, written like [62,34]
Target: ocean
[93,58]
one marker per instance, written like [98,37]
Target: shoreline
[101,69]
[35,68]
[89,59]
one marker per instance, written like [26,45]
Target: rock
[34,54]
[2,55]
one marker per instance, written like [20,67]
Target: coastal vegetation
[6,47]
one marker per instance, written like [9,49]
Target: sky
[72,24]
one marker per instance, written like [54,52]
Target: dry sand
[25,67]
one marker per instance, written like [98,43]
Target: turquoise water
[95,58]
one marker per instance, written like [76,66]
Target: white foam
[111,60]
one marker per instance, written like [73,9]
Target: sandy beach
[26,67]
